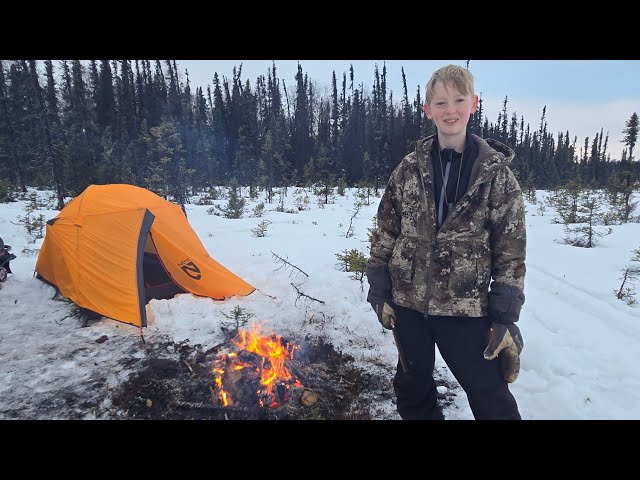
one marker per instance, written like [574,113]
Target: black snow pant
[461,342]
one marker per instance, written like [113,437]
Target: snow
[580,359]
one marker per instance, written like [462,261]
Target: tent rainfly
[115,247]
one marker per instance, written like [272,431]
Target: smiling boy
[447,260]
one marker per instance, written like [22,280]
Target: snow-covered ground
[581,353]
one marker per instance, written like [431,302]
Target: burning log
[260,364]
[281,391]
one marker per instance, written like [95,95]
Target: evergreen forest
[68,124]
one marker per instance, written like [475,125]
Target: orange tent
[114,247]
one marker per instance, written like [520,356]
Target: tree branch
[355,212]
[300,294]
[286,263]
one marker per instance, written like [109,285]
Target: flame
[272,370]
[269,348]
[223,395]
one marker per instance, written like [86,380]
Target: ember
[260,363]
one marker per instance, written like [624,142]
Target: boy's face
[450,110]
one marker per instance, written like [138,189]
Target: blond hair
[451,75]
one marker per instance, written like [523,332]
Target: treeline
[141,122]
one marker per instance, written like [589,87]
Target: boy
[452,219]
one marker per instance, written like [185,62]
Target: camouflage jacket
[449,271]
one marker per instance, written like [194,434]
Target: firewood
[308,398]
[234,375]
[194,405]
[189,367]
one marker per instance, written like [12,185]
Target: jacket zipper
[432,242]
[468,193]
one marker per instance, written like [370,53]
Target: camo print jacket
[449,271]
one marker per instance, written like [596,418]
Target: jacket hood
[486,148]
[490,147]
[492,155]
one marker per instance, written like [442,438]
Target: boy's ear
[427,110]
[474,107]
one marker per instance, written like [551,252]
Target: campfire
[254,376]
[257,373]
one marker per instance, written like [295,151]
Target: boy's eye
[460,100]
[439,104]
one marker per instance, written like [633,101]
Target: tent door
[158,283]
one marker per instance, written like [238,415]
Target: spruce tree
[247,163]
[9,158]
[52,129]
[105,102]
[167,174]
[301,128]
[631,134]
[219,130]
[589,216]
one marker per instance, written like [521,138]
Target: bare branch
[355,212]
[286,264]
[190,369]
[58,322]
[625,277]
[266,294]
[300,294]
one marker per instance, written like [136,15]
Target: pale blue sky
[581,96]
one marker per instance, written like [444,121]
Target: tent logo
[190,269]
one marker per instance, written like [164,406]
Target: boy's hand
[506,342]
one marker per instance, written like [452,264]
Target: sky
[582,96]
[580,359]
